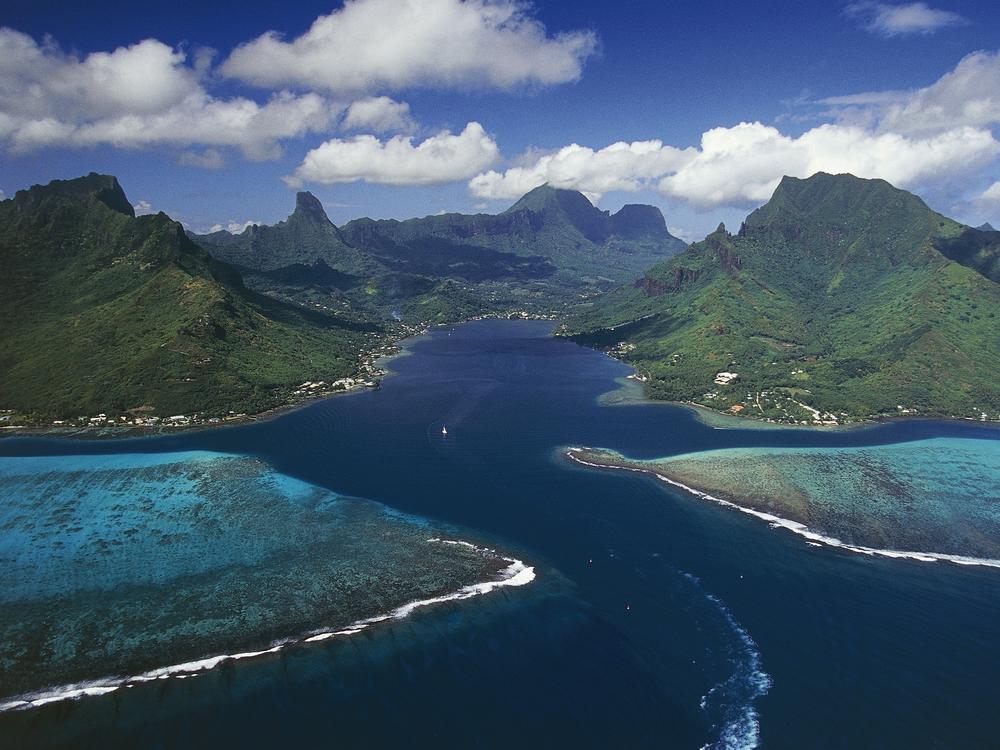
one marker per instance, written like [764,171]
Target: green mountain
[561,227]
[841,298]
[546,249]
[105,312]
[304,237]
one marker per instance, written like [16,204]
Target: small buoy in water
[590,561]
[444,431]
[627,607]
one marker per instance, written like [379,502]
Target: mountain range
[840,298]
[546,249]
[106,312]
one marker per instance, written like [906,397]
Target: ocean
[655,618]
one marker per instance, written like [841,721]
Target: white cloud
[40,81]
[992,193]
[379,114]
[137,96]
[210,158]
[910,138]
[969,95]
[232,226]
[743,164]
[620,166]
[143,207]
[386,45]
[687,235]
[441,158]
[888,20]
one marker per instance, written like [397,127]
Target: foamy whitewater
[749,681]
[816,538]
[515,574]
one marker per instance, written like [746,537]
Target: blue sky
[391,108]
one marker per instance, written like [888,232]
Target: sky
[400,108]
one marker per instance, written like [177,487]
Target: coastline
[813,537]
[630,392]
[398,348]
[515,574]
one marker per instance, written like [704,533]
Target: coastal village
[780,406]
[368,376]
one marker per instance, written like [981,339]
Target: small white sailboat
[444,432]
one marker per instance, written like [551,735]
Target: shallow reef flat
[120,564]
[939,497]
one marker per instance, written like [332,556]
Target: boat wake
[517,573]
[814,537]
[731,703]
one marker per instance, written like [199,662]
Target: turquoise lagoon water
[655,620]
[937,496]
[116,565]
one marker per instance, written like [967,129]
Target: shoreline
[631,393]
[813,537]
[120,431]
[515,574]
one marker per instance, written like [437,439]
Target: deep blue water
[656,619]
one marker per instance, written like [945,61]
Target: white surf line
[515,574]
[815,538]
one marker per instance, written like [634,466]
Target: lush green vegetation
[105,312]
[840,295]
[540,254]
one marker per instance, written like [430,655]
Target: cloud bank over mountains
[441,158]
[906,137]
[337,85]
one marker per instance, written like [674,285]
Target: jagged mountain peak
[309,208]
[833,198]
[635,220]
[103,187]
[558,205]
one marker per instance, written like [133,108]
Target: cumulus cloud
[210,158]
[906,19]
[379,114]
[232,226]
[969,95]
[40,81]
[444,157]
[620,166]
[910,138]
[991,193]
[143,207]
[137,96]
[743,164]
[386,45]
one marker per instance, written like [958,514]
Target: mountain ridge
[103,311]
[840,295]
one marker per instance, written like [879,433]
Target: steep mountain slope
[305,236]
[546,249]
[560,226]
[101,311]
[840,298]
